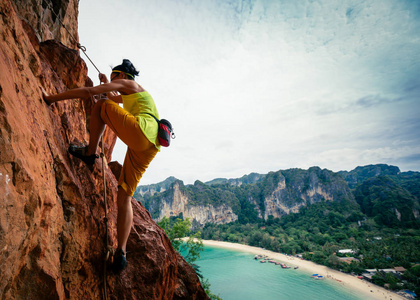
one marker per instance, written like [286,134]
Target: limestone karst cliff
[51,205]
[201,207]
[380,191]
[179,203]
[275,194]
[295,188]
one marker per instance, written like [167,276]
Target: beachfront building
[397,271]
[346,251]
[400,270]
[348,259]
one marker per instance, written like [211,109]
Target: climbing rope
[108,249]
[83,48]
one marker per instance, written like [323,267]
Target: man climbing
[133,125]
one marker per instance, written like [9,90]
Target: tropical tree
[188,245]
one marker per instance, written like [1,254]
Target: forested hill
[380,192]
[372,210]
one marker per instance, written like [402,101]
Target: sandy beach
[362,287]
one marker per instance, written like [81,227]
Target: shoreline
[365,288]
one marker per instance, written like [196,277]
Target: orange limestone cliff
[52,228]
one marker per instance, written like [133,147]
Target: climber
[133,126]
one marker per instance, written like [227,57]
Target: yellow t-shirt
[139,104]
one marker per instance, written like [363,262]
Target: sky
[261,86]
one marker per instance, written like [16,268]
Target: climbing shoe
[79,152]
[120,262]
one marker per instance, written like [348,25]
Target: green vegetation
[381,196]
[361,174]
[372,210]
[177,229]
[320,230]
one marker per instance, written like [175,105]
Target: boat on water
[296,267]
[314,275]
[285,266]
[262,261]
[319,277]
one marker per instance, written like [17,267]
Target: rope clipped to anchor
[108,249]
[83,48]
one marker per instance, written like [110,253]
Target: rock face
[155,188]
[52,227]
[199,214]
[224,201]
[208,207]
[297,188]
[380,192]
[46,19]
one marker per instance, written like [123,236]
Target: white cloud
[256,86]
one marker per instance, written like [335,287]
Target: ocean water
[236,275]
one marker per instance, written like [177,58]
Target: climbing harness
[108,248]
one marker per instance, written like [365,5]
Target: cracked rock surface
[52,228]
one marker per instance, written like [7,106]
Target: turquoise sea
[235,275]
